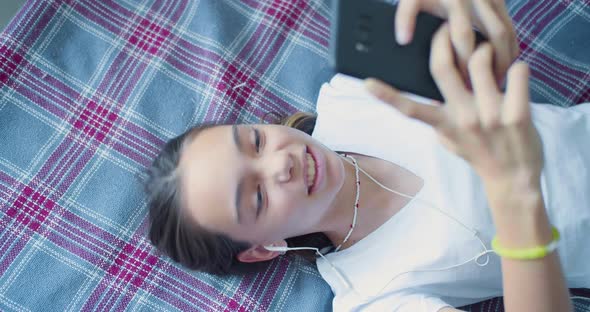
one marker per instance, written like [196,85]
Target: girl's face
[259,183]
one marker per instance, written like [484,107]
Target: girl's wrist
[523,231]
[519,187]
[519,214]
[514,198]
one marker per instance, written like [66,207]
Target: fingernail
[402,36]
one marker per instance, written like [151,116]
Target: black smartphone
[363,45]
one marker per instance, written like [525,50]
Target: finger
[429,114]
[462,35]
[498,33]
[516,102]
[443,68]
[405,20]
[485,89]
[500,7]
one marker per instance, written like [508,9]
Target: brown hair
[189,244]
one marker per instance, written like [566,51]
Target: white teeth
[310,170]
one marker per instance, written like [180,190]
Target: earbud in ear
[276,248]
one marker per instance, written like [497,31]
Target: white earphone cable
[431,206]
[348,284]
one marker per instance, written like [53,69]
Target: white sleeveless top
[421,238]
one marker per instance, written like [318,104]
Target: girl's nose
[283,167]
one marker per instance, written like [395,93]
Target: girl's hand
[489,16]
[490,130]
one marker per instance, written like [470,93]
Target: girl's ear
[258,253]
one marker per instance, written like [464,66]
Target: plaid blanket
[89,92]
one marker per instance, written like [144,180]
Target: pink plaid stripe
[530,20]
[258,53]
[60,104]
[125,265]
[61,168]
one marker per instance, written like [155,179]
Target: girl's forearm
[521,222]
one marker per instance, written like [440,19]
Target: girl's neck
[376,205]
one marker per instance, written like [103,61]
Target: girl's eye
[257,140]
[259,203]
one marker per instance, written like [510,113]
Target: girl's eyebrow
[236,137]
[238,196]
